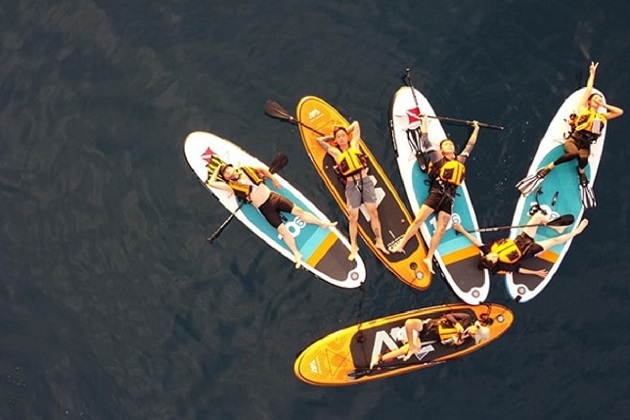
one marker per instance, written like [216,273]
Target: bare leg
[310,218]
[537,218]
[375,223]
[415,345]
[442,222]
[353,219]
[548,243]
[423,214]
[290,241]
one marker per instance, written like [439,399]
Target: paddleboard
[457,258]
[324,251]
[317,118]
[343,357]
[558,194]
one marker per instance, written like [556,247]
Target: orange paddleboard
[317,119]
[343,357]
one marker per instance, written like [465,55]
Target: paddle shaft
[448,119]
[275,110]
[226,222]
[563,220]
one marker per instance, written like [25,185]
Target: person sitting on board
[450,329]
[504,255]
[586,127]
[447,172]
[352,165]
[247,183]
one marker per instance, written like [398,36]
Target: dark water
[113,305]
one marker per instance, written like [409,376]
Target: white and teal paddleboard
[456,256]
[325,251]
[558,194]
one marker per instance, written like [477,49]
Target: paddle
[448,119]
[275,110]
[279,162]
[361,372]
[564,220]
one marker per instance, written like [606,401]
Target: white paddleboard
[325,251]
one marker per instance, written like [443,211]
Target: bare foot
[376,359]
[298,260]
[411,352]
[380,245]
[581,226]
[353,252]
[397,248]
[429,263]
[330,225]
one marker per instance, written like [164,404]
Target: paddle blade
[564,220]
[280,161]
[275,110]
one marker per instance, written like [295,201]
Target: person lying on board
[586,127]
[451,330]
[352,166]
[505,255]
[447,172]
[248,184]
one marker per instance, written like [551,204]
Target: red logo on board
[207,155]
[414,115]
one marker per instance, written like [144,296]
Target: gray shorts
[361,191]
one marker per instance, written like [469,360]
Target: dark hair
[446,139]
[223,167]
[485,263]
[337,128]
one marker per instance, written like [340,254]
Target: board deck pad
[324,251]
[343,357]
[317,118]
[456,257]
[559,194]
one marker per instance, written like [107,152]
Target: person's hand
[542,273]
[593,67]
[276,183]
[475,124]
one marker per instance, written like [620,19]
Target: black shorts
[273,206]
[523,239]
[439,201]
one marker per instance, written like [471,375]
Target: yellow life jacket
[351,161]
[590,121]
[242,190]
[448,334]
[450,171]
[507,250]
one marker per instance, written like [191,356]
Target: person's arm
[212,182]
[323,142]
[471,143]
[589,83]
[613,111]
[458,320]
[267,174]
[354,131]
[540,273]
[459,228]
